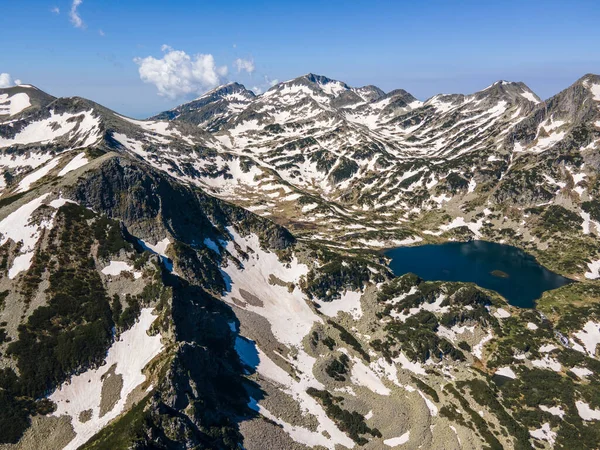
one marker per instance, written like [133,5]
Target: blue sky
[96,48]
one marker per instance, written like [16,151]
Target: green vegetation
[329,343]
[352,423]
[3,295]
[427,389]
[338,368]
[350,340]
[592,208]
[485,395]
[109,236]
[73,330]
[338,274]
[480,424]
[13,198]
[124,433]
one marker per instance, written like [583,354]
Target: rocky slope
[208,278]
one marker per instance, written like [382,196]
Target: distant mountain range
[212,277]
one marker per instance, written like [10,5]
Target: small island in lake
[499,274]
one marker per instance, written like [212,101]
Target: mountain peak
[15,99]
[319,82]
[210,107]
[511,90]
[589,78]
[225,89]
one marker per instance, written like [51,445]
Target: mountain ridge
[213,278]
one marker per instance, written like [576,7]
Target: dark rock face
[152,205]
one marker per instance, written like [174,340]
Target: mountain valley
[213,277]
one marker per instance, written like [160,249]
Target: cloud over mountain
[7,81]
[177,74]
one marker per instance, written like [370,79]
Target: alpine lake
[511,272]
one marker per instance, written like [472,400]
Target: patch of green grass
[123,433]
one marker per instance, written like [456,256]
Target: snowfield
[14,104]
[297,389]
[590,336]
[116,267]
[78,161]
[288,313]
[30,179]
[129,355]
[506,372]
[586,412]
[395,442]
[349,302]
[18,226]
[84,125]
[544,433]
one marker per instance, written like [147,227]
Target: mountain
[212,277]
[22,98]
[210,109]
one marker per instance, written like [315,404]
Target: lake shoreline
[508,270]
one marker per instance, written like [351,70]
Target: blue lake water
[517,276]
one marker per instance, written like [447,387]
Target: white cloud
[76,19]
[268,83]
[244,64]
[55,10]
[101,33]
[6,80]
[177,74]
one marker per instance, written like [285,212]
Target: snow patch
[554,410]
[460,222]
[288,312]
[478,349]
[363,375]
[501,313]
[212,245]
[394,442]
[116,267]
[14,104]
[590,336]
[547,363]
[547,348]
[30,179]
[586,412]
[544,433]
[506,372]
[18,227]
[84,125]
[130,354]
[594,270]
[349,302]
[79,161]
[433,410]
[160,248]
[296,387]
[582,372]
